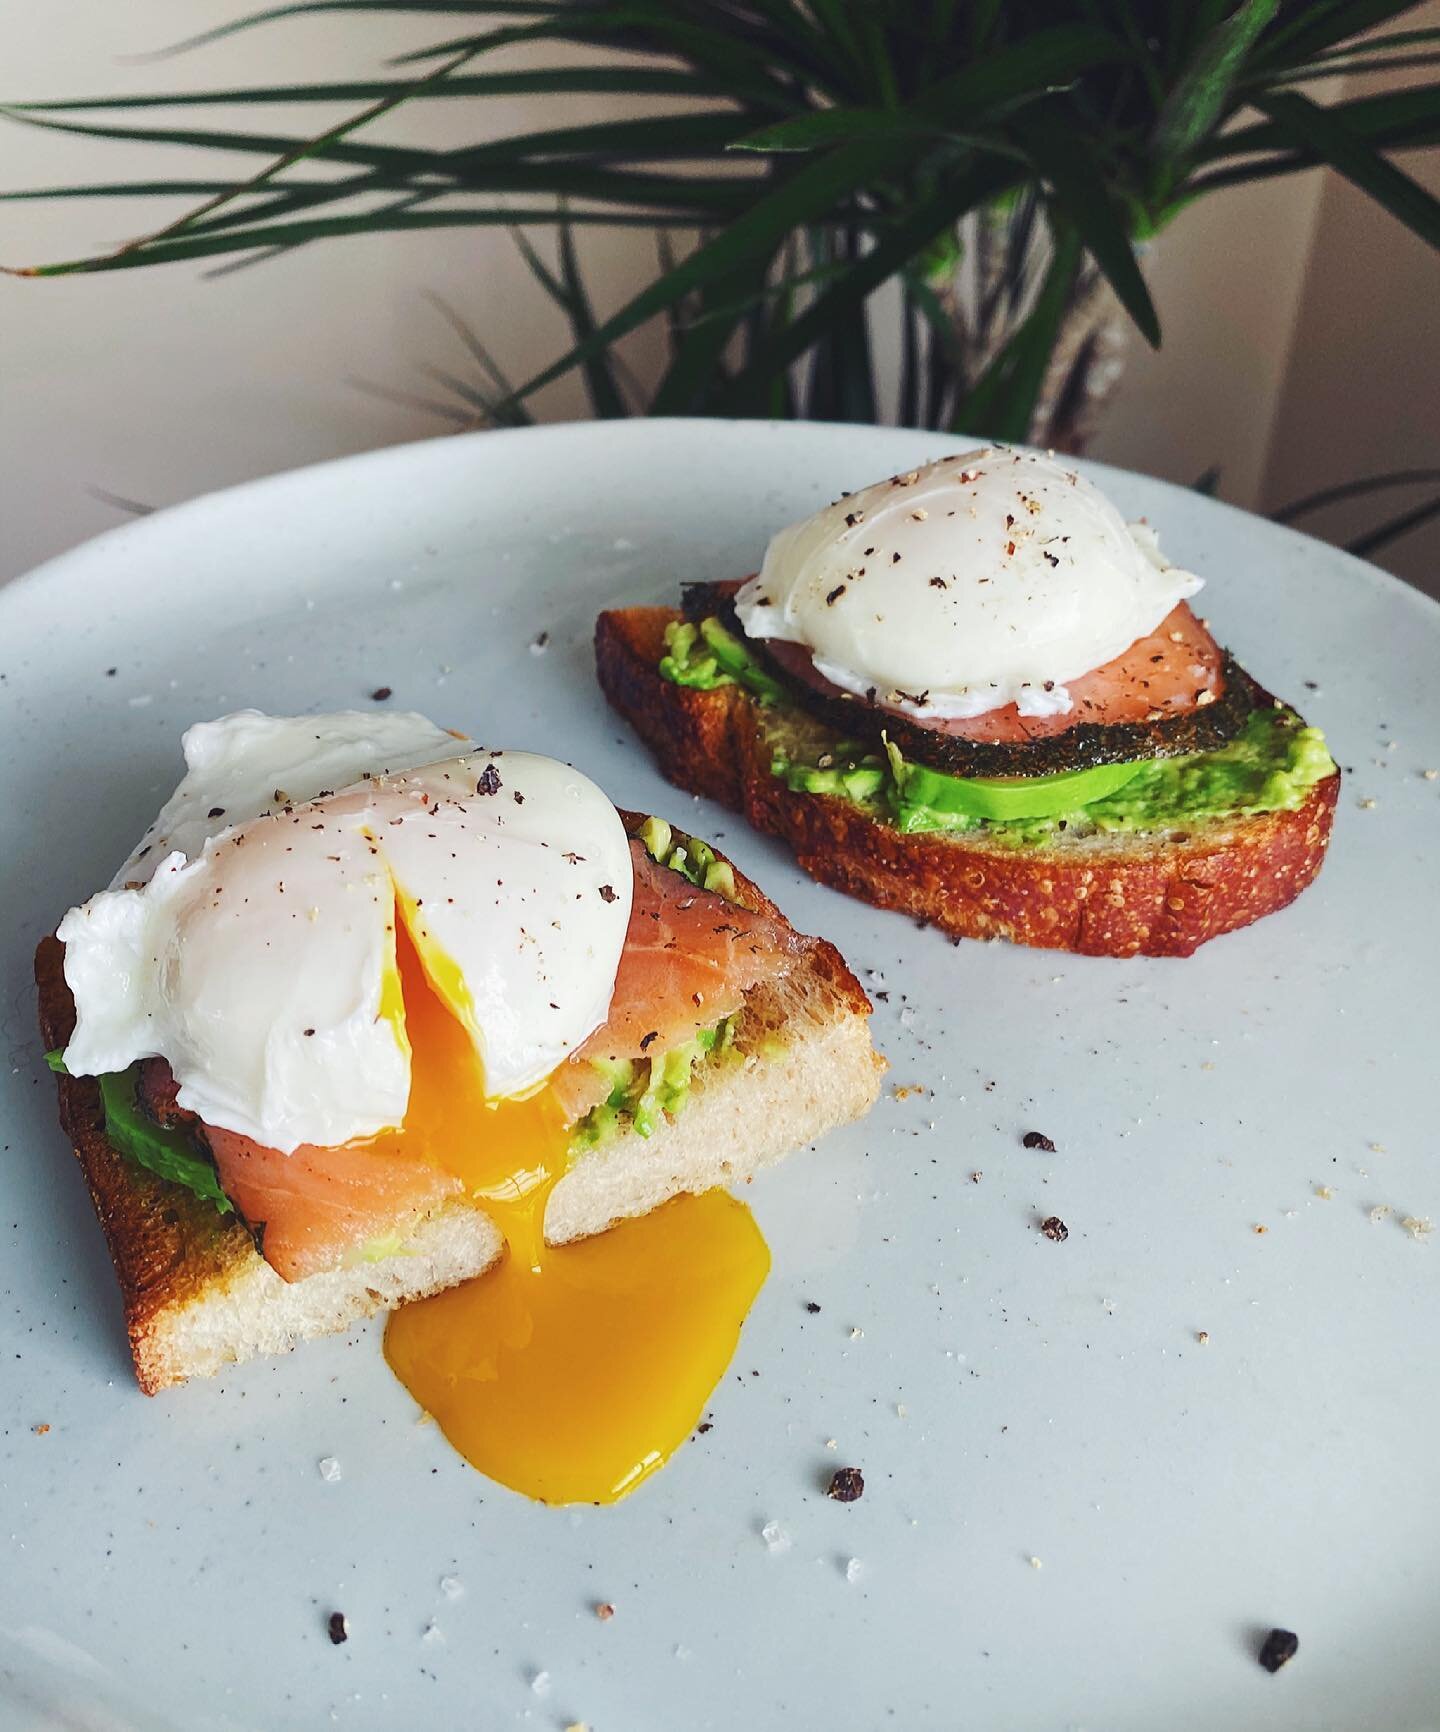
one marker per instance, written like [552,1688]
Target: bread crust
[175,1254]
[1103,896]
[168,1245]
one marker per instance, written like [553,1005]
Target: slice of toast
[1100,895]
[198,1296]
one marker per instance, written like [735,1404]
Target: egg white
[246,764]
[977,581]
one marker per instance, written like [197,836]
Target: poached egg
[365,947]
[975,582]
[261,964]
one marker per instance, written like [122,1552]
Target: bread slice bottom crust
[198,1296]
[1102,895]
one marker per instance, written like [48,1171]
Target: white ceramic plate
[1076,1515]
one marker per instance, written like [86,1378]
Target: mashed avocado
[643,1092]
[707,656]
[1270,766]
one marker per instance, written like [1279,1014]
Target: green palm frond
[999,160]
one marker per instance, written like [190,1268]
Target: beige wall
[1361,386]
[1227,279]
[160,384]
[1280,306]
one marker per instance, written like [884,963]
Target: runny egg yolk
[569,1373]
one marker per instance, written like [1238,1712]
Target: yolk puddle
[569,1373]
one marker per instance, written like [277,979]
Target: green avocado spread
[644,1092]
[707,656]
[1270,766]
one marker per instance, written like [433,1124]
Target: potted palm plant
[1001,164]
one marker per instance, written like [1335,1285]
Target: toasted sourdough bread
[198,1296]
[1100,895]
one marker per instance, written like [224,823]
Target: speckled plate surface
[1077,1514]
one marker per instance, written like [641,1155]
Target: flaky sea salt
[775,1537]
[852,1570]
[329,1468]
[452,1587]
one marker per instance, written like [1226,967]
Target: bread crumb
[903,1091]
[1376,1148]
[1036,1564]
[975,1178]
[1203,1337]
[1418,1226]
[1379,1212]
[40,1430]
[1324,1191]
[830,1443]
[857,1333]
[1430,775]
[1366,805]
[1258,1228]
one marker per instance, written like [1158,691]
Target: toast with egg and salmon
[1070,760]
[714,1039]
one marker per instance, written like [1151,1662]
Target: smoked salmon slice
[1175,669]
[689,959]
[318,1204]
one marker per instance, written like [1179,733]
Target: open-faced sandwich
[368,1002]
[973,693]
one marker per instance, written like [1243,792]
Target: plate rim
[60,567]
